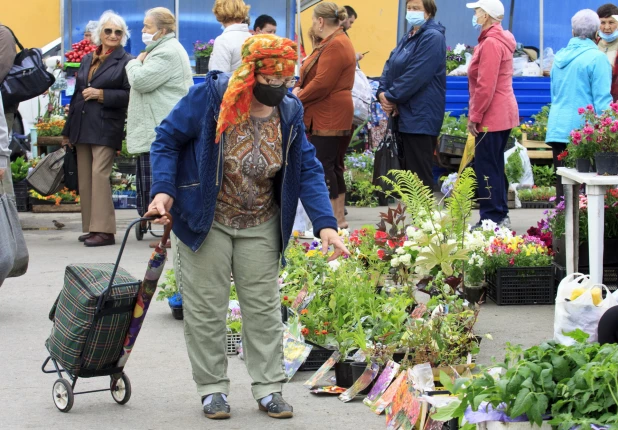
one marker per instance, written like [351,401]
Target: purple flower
[552,199]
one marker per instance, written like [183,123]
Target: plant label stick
[322,371]
[388,374]
[361,383]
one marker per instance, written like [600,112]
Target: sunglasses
[117,33]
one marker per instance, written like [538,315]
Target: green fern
[459,203]
[416,196]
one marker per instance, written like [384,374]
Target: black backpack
[27,78]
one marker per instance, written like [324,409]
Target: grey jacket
[226,56]
[5,152]
[8,51]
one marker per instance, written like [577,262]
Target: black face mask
[269,96]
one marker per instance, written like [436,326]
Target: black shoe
[84,237]
[277,407]
[218,408]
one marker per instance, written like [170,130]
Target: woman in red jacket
[493,108]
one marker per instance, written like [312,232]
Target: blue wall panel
[457,19]
[531,94]
[77,13]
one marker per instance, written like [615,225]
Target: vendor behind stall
[607,40]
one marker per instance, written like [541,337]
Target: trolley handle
[164,239]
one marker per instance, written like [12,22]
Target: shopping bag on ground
[387,158]
[580,305]
[13,252]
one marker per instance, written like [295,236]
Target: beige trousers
[94,167]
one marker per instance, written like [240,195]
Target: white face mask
[148,38]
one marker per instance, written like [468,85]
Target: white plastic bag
[528,177]
[519,64]
[531,69]
[580,313]
[302,223]
[361,95]
[548,60]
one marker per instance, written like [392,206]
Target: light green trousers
[203,277]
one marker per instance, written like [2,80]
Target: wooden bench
[537,150]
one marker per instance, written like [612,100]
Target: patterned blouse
[253,155]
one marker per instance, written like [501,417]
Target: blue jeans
[489,167]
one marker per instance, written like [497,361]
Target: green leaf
[537,408]
[448,412]
[561,367]
[578,335]
[522,403]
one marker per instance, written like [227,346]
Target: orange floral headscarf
[264,53]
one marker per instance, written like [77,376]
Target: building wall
[35,22]
[375,31]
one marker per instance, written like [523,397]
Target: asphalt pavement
[164,395]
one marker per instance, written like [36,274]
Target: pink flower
[614,128]
[588,130]
[606,121]
[581,111]
[590,108]
[614,106]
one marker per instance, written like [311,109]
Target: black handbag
[70,170]
[387,158]
[28,78]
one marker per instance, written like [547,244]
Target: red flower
[512,261]
[390,244]
[381,254]
[305,331]
[363,232]
[304,312]
[285,298]
[317,332]
[563,155]
[324,332]
[381,235]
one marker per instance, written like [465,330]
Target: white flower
[405,259]
[410,231]
[427,226]
[459,49]
[395,262]
[400,251]
[408,244]
[334,265]
[488,225]
[344,232]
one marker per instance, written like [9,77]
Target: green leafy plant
[168,287]
[452,126]
[544,176]
[536,194]
[19,169]
[514,167]
[537,128]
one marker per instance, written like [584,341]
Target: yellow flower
[311,253]
[296,234]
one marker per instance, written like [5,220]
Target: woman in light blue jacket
[159,78]
[581,76]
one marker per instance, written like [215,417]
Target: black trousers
[418,152]
[330,151]
[489,169]
[608,326]
[556,149]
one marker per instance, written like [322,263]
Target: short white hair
[91,27]
[114,18]
[585,24]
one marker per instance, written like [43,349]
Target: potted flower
[536,130]
[605,132]
[234,329]
[202,52]
[19,173]
[63,201]
[169,290]
[474,277]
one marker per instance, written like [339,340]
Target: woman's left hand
[91,94]
[329,237]
[473,128]
[141,57]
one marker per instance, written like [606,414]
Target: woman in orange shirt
[325,89]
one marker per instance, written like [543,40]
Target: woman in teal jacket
[581,76]
[159,78]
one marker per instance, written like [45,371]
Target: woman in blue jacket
[232,177]
[581,76]
[413,87]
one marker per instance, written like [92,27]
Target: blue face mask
[475,23]
[415,18]
[609,37]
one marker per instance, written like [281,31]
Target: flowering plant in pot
[597,140]
[202,52]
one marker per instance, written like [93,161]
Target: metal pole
[511,16]
[177,13]
[541,49]
[62,45]
[298,29]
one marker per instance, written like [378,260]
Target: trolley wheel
[139,233]
[63,395]
[121,389]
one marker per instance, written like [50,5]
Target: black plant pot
[357,370]
[201,65]
[584,165]
[343,374]
[607,163]
[177,313]
[474,295]
[22,199]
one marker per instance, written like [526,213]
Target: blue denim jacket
[188,165]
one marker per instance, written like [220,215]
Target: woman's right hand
[387,106]
[66,142]
[161,204]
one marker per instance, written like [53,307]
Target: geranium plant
[203,49]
